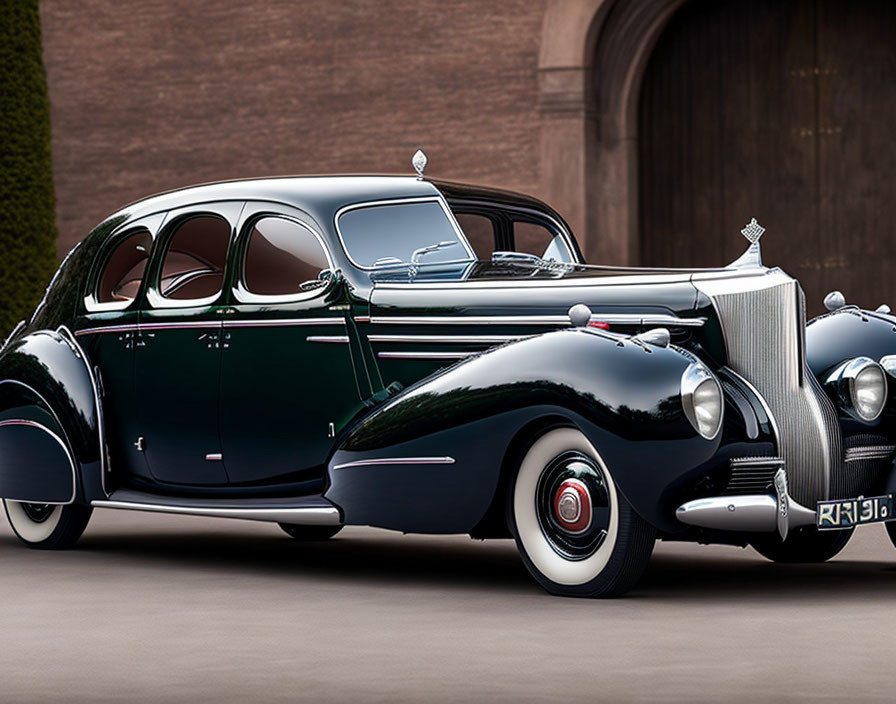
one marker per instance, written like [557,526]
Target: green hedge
[27,203]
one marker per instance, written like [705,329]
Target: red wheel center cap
[572,506]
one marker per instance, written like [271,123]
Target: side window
[193,267]
[282,258]
[123,271]
[480,232]
[534,238]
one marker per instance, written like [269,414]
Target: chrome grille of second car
[763,321]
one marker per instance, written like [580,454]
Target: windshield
[391,234]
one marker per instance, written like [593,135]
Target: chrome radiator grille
[763,320]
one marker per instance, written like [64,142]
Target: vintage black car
[437,358]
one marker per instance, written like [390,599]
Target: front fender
[847,333]
[429,460]
[45,379]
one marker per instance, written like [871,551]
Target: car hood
[523,288]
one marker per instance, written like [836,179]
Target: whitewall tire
[47,526]
[576,533]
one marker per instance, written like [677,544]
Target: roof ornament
[752,258]
[419,162]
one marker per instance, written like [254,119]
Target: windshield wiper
[423,251]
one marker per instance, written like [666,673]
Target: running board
[306,510]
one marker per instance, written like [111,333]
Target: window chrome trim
[395,461]
[425,355]
[244,295]
[462,238]
[68,455]
[158,301]
[560,320]
[152,224]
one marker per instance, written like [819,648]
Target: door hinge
[140,444]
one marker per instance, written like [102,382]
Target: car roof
[319,196]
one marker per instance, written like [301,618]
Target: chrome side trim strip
[283,322]
[109,328]
[71,461]
[612,318]
[395,460]
[331,339]
[280,322]
[317,516]
[447,339]
[424,355]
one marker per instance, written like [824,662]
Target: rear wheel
[577,535]
[47,526]
[309,533]
[803,545]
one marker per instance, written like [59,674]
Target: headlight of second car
[860,387]
[701,397]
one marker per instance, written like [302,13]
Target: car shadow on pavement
[391,559]
[676,573]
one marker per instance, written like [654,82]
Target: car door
[178,348]
[287,382]
[108,332]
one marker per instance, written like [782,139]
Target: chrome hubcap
[573,505]
[38,512]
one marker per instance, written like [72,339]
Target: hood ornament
[419,162]
[752,258]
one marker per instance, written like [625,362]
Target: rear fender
[50,422]
[429,460]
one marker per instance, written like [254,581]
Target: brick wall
[149,95]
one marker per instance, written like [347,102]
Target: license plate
[845,513]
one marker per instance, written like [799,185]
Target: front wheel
[803,545]
[47,526]
[577,535]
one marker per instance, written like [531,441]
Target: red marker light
[599,324]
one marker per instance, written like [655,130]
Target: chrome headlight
[860,387]
[701,397]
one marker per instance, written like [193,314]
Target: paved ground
[159,609]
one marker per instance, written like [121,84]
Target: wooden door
[779,111]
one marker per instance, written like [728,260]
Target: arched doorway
[782,111]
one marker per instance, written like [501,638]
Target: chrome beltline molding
[394,460]
[283,322]
[315,516]
[424,355]
[71,461]
[612,318]
[206,324]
